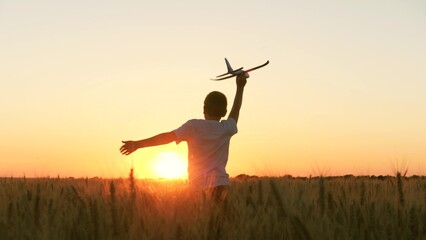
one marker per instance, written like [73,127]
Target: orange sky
[344,92]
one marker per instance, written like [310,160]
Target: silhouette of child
[208,142]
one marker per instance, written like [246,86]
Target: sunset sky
[345,91]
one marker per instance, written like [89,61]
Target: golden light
[170,165]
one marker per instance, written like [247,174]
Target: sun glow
[170,165]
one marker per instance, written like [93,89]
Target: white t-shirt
[208,150]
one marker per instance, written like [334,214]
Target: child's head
[215,104]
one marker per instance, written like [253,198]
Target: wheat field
[257,208]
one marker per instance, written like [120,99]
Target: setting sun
[170,165]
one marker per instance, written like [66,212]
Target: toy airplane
[233,73]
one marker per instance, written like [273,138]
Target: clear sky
[345,92]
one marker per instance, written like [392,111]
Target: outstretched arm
[238,100]
[160,139]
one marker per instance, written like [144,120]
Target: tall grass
[256,208]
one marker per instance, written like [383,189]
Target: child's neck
[208,117]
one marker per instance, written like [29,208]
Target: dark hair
[215,104]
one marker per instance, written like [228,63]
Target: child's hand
[242,79]
[128,147]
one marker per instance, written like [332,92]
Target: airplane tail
[230,70]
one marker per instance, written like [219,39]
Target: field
[257,208]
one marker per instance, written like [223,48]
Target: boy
[208,142]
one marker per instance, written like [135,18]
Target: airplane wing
[221,75]
[249,70]
[223,78]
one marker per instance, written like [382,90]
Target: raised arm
[160,139]
[238,100]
